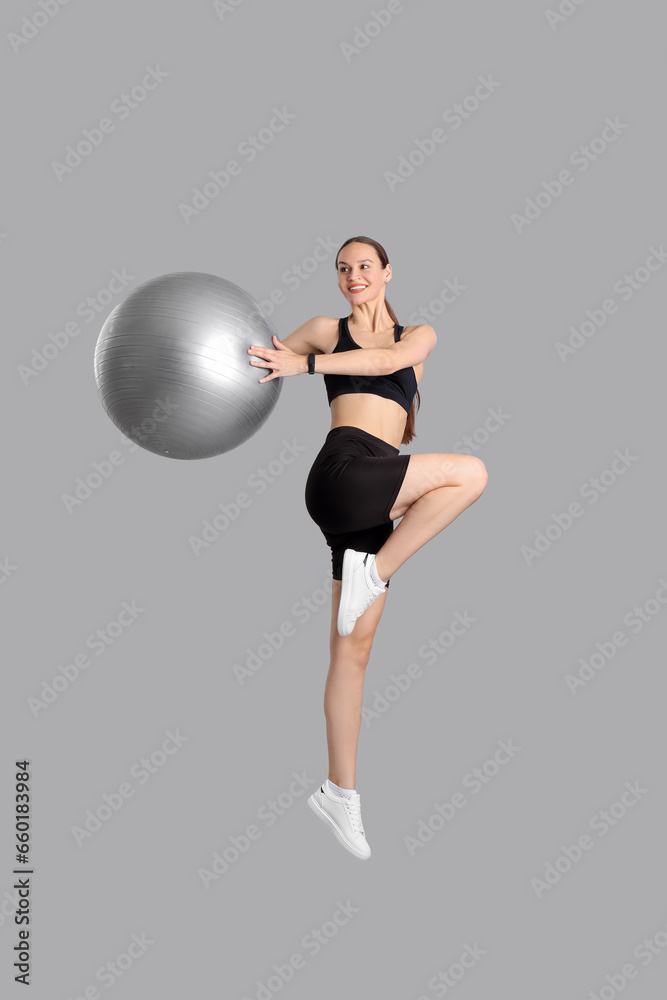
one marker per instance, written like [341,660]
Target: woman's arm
[366,361]
[283,361]
[413,348]
[290,356]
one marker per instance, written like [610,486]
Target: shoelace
[368,600]
[353,809]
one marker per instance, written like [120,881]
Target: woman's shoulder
[429,331]
[318,335]
[323,333]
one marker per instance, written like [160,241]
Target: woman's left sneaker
[343,816]
[357,590]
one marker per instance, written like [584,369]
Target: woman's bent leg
[436,489]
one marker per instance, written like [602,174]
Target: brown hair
[409,431]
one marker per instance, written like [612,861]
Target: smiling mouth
[357,288]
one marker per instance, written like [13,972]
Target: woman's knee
[476,475]
[354,651]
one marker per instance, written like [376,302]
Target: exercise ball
[172,368]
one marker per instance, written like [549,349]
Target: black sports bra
[400,386]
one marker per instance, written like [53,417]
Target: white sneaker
[344,817]
[357,589]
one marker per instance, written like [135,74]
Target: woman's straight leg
[343,691]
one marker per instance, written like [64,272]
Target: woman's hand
[282,361]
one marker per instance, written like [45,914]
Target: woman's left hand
[282,361]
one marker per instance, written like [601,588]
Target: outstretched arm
[283,361]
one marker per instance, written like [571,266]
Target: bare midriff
[385,418]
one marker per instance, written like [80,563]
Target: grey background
[173,668]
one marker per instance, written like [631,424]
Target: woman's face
[358,265]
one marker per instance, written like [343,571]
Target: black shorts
[351,488]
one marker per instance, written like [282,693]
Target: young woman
[358,485]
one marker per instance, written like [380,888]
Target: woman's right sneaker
[357,591]
[343,816]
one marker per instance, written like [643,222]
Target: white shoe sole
[317,809]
